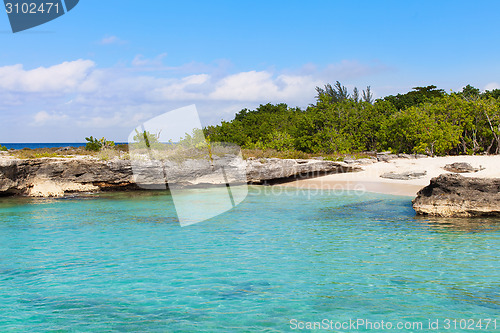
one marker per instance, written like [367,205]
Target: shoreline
[407,190]
[370,180]
[390,174]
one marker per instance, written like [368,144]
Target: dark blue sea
[43,145]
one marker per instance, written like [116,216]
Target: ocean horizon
[36,145]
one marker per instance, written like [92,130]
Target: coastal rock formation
[386,156]
[452,195]
[460,167]
[59,176]
[404,175]
[361,161]
[49,188]
[275,169]
[412,156]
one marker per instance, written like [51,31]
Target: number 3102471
[32,8]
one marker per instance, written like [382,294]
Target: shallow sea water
[121,263]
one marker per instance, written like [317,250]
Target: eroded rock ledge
[452,195]
[54,177]
[271,170]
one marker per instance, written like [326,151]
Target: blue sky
[107,66]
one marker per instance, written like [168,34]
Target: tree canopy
[425,120]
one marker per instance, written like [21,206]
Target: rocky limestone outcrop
[453,195]
[408,175]
[59,176]
[387,156]
[266,170]
[461,167]
[361,161]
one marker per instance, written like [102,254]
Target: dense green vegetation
[425,120]
[3,148]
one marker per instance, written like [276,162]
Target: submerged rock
[452,195]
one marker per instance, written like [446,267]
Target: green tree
[495,94]
[334,94]
[277,140]
[355,95]
[491,111]
[367,95]
[425,120]
[250,127]
[471,93]
[418,96]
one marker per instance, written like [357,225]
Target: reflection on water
[476,224]
[394,210]
[486,297]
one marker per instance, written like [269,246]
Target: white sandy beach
[369,179]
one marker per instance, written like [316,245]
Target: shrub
[94,144]
[110,154]
[146,139]
[3,148]
[38,153]
[46,155]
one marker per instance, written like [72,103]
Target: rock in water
[460,167]
[452,195]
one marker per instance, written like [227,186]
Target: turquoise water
[122,263]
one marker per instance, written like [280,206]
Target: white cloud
[58,79]
[492,86]
[348,70]
[141,61]
[43,117]
[264,86]
[111,40]
[187,88]
[245,86]
[85,99]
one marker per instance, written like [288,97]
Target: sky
[108,66]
